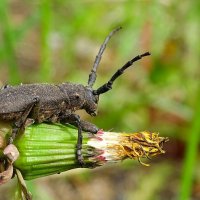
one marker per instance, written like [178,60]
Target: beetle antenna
[108,86]
[93,75]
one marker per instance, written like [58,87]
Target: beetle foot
[13,135]
[10,140]
[79,156]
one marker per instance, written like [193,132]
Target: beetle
[43,102]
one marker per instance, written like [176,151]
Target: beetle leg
[88,127]
[75,120]
[85,126]
[20,123]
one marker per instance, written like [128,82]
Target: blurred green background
[57,40]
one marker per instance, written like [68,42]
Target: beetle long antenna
[93,75]
[108,86]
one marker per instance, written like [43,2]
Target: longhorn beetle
[57,103]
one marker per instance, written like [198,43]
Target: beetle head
[91,102]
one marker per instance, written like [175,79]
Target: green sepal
[47,149]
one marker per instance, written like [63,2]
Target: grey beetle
[57,103]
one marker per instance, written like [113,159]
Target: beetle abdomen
[16,99]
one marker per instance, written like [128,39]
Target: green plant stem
[191,155]
[46,19]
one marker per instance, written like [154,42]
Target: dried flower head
[120,146]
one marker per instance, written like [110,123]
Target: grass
[45,27]
[191,155]
[8,43]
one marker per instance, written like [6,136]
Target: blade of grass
[9,52]
[46,18]
[191,155]
[21,30]
[28,23]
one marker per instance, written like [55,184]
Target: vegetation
[57,41]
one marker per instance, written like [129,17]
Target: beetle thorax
[80,97]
